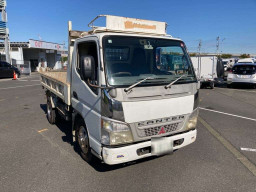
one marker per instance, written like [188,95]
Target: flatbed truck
[124,101]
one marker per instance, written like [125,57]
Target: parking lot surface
[37,156]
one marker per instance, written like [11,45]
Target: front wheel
[82,140]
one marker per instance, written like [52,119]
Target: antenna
[39,37]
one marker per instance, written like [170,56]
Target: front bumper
[118,155]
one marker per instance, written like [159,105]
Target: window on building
[15,49]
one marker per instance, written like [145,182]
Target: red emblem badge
[162,131]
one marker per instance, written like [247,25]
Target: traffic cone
[14,76]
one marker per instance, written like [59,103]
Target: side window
[88,49]
[5,64]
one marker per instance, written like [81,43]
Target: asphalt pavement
[37,156]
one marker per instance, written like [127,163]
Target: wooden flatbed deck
[56,83]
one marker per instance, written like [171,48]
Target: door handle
[75,95]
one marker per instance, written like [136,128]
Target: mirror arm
[96,86]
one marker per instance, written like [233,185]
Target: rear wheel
[51,113]
[82,140]
[212,85]
[229,86]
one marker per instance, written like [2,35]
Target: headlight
[115,133]
[192,121]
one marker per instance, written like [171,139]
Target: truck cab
[133,92]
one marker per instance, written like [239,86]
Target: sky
[234,21]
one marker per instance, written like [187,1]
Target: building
[37,53]
[4,31]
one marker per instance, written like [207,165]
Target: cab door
[86,99]
[1,70]
[9,70]
[6,70]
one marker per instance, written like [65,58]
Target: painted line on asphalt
[19,86]
[238,90]
[243,159]
[229,114]
[2,100]
[248,149]
[40,131]
[22,80]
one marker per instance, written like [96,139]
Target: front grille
[155,130]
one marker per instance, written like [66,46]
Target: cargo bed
[56,83]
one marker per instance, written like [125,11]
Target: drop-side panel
[55,82]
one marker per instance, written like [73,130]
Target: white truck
[207,68]
[124,103]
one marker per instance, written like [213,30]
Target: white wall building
[37,53]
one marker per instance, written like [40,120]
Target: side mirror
[87,68]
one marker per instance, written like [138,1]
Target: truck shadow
[102,167]
[97,164]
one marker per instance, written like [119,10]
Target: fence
[23,66]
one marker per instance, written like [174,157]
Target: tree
[64,59]
[245,56]
[192,54]
[225,56]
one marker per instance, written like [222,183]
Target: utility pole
[217,45]
[199,58]
[4,31]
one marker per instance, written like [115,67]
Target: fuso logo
[162,131]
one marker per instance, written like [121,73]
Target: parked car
[246,60]
[6,70]
[242,73]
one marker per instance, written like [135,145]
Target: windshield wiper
[135,84]
[169,85]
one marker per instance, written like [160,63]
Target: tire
[212,85]
[229,86]
[82,141]
[51,113]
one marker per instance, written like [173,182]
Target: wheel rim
[83,139]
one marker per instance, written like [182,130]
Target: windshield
[132,59]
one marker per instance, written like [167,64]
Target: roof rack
[129,25]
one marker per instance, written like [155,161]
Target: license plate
[244,76]
[161,146]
